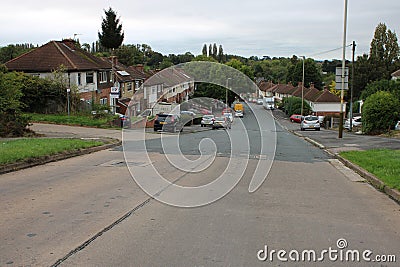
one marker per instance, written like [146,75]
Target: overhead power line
[326,52]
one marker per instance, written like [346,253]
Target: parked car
[239,113]
[295,118]
[355,123]
[159,122]
[310,122]
[173,123]
[207,120]
[221,122]
[397,126]
[259,101]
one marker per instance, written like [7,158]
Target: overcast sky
[251,27]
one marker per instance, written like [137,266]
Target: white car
[397,126]
[239,113]
[310,122]
[207,120]
[355,123]
[259,101]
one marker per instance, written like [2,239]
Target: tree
[220,54]
[382,85]
[312,73]
[215,51]
[292,105]
[381,111]
[112,35]
[384,54]
[12,121]
[210,50]
[204,51]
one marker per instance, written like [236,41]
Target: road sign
[338,78]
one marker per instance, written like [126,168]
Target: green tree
[312,73]
[112,35]
[220,54]
[12,121]
[204,51]
[292,105]
[381,110]
[215,51]
[382,85]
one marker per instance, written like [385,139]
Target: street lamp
[302,89]
[343,70]
[226,92]
[68,91]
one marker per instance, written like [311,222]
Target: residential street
[88,210]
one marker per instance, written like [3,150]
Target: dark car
[159,121]
[173,123]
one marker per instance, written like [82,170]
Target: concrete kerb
[110,143]
[372,179]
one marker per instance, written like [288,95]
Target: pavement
[328,140]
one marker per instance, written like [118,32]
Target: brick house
[88,74]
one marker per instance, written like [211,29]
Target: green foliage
[312,73]
[111,36]
[381,110]
[12,51]
[103,120]
[382,85]
[12,121]
[292,105]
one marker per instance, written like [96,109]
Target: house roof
[283,88]
[169,77]
[52,55]
[396,73]
[327,96]
[266,86]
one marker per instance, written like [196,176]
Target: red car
[295,118]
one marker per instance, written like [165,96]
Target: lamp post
[226,92]
[68,91]
[302,90]
[343,70]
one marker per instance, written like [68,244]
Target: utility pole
[352,85]
[343,70]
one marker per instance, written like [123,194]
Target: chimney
[312,86]
[139,67]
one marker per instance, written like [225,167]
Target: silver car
[207,120]
[310,122]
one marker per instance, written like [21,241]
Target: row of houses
[104,80]
[322,102]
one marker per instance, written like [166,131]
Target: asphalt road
[88,211]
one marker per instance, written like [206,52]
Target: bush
[12,122]
[292,105]
[381,111]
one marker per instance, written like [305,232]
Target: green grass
[21,149]
[80,120]
[383,163]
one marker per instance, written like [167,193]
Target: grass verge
[383,163]
[12,151]
[80,120]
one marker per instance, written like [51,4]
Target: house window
[79,79]
[89,77]
[103,77]
[129,86]
[103,101]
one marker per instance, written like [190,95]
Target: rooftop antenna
[76,34]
